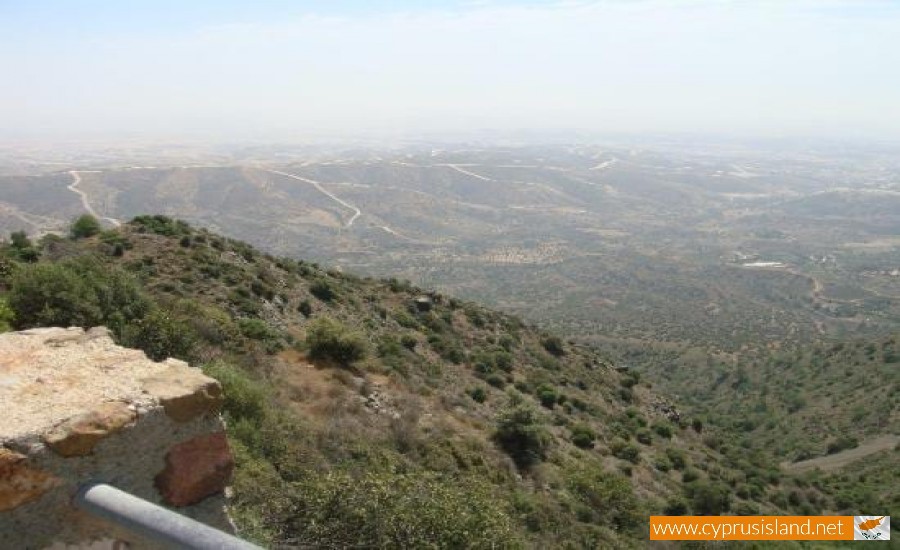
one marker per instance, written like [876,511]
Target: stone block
[185,393]
[78,435]
[196,469]
[79,408]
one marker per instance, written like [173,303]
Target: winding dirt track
[356,211]
[85,202]
[466,172]
[843,458]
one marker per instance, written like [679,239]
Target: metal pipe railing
[153,522]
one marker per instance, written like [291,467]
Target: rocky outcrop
[667,410]
[80,408]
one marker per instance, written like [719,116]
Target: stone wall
[75,408]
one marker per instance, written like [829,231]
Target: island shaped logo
[871,527]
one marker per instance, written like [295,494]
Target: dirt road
[73,187]
[841,459]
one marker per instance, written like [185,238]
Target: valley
[724,249]
[756,288]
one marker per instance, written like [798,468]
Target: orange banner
[751,527]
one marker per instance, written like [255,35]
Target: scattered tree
[85,226]
[522,434]
[330,340]
[554,346]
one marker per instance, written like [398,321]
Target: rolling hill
[370,411]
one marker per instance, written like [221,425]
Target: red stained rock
[20,483]
[196,469]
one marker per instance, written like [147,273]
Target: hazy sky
[293,68]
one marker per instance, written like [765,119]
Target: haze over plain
[287,70]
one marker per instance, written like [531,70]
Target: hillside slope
[831,405]
[373,413]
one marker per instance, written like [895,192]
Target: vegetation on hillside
[793,405]
[368,412]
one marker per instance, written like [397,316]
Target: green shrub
[630,380]
[583,436]
[406,320]
[663,430]
[435,323]
[750,509]
[331,340]
[245,398]
[20,240]
[475,316]
[409,341]
[708,498]
[160,335]
[580,404]
[305,308]
[522,434]
[662,463]
[644,437]
[389,347]
[503,360]
[412,510]
[482,362]
[80,292]
[626,451]
[547,395]
[495,380]
[689,475]
[211,325]
[605,499]
[399,285]
[240,297]
[256,329]
[21,247]
[479,395]
[448,348]
[677,458]
[164,225]
[7,315]
[676,507]
[323,290]
[842,443]
[85,226]
[554,346]
[261,289]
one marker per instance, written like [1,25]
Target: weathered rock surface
[78,408]
[54,374]
[20,483]
[185,394]
[78,435]
[196,469]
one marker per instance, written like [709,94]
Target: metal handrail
[154,522]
